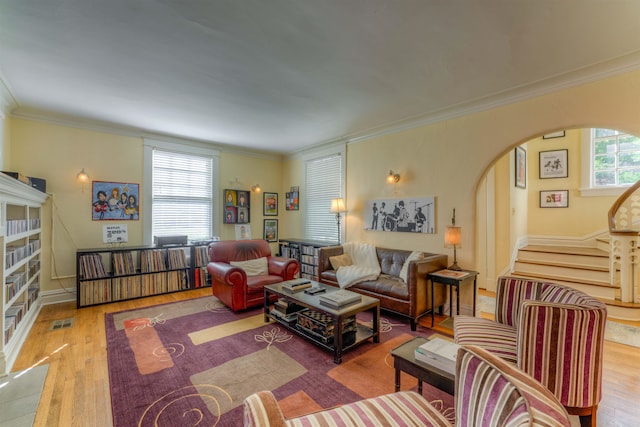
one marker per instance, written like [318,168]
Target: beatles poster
[116,201]
[412,215]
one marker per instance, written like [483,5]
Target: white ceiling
[281,75]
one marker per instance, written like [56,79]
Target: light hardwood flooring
[76,391]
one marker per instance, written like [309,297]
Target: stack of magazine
[439,353]
[339,298]
[295,285]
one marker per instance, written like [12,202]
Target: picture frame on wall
[554,198]
[292,199]
[270,204]
[236,209]
[521,167]
[554,164]
[271,230]
[115,201]
[559,134]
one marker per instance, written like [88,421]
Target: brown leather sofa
[232,285]
[411,299]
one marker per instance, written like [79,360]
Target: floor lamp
[453,238]
[337,207]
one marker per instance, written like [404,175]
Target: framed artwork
[270,205]
[243,231]
[293,202]
[230,214]
[521,167]
[554,199]
[115,201]
[271,230]
[558,134]
[554,164]
[236,208]
[412,215]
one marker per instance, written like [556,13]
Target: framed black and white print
[554,199]
[521,167]
[554,164]
[559,134]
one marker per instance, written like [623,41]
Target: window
[324,180]
[616,158]
[183,181]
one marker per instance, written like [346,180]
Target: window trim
[586,177]
[338,148]
[179,147]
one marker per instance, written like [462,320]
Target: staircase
[579,267]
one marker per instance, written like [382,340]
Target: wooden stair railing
[623,261]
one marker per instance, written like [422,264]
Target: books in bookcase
[440,353]
[339,298]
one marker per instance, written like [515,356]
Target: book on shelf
[439,353]
[296,284]
[339,298]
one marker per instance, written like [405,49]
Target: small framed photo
[230,215]
[554,164]
[270,205]
[554,199]
[243,232]
[521,167]
[559,134]
[271,230]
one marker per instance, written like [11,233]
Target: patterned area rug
[194,362]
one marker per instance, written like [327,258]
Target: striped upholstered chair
[552,332]
[489,392]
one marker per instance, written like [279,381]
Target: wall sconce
[453,238]
[82,176]
[256,188]
[393,178]
[337,207]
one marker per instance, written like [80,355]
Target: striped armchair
[489,392]
[552,332]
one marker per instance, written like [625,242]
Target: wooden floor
[76,392]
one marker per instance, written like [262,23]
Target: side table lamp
[453,238]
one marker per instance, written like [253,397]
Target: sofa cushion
[256,284]
[497,338]
[253,267]
[415,255]
[340,261]
[391,260]
[386,285]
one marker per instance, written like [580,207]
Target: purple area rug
[194,362]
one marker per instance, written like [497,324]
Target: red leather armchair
[231,284]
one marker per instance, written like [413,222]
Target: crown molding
[131,131]
[581,76]
[7,101]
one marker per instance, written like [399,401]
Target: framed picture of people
[410,214]
[236,209]
[115,201]
[270,204]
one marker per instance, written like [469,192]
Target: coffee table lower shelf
[337,345]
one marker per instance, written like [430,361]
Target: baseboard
[58,296]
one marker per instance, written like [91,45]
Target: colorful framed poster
[270,206]
[236,208]
[292,199]
[271,230]
[115,201]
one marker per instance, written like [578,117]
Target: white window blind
[183,194]
[323,178]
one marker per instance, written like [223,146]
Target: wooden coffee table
[404,361]
[337,346]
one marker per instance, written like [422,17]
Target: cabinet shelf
[306,252]
[20,240]
[98,283]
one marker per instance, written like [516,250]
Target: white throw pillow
[415,255]
[253,267]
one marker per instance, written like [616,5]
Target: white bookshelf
[21,246]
